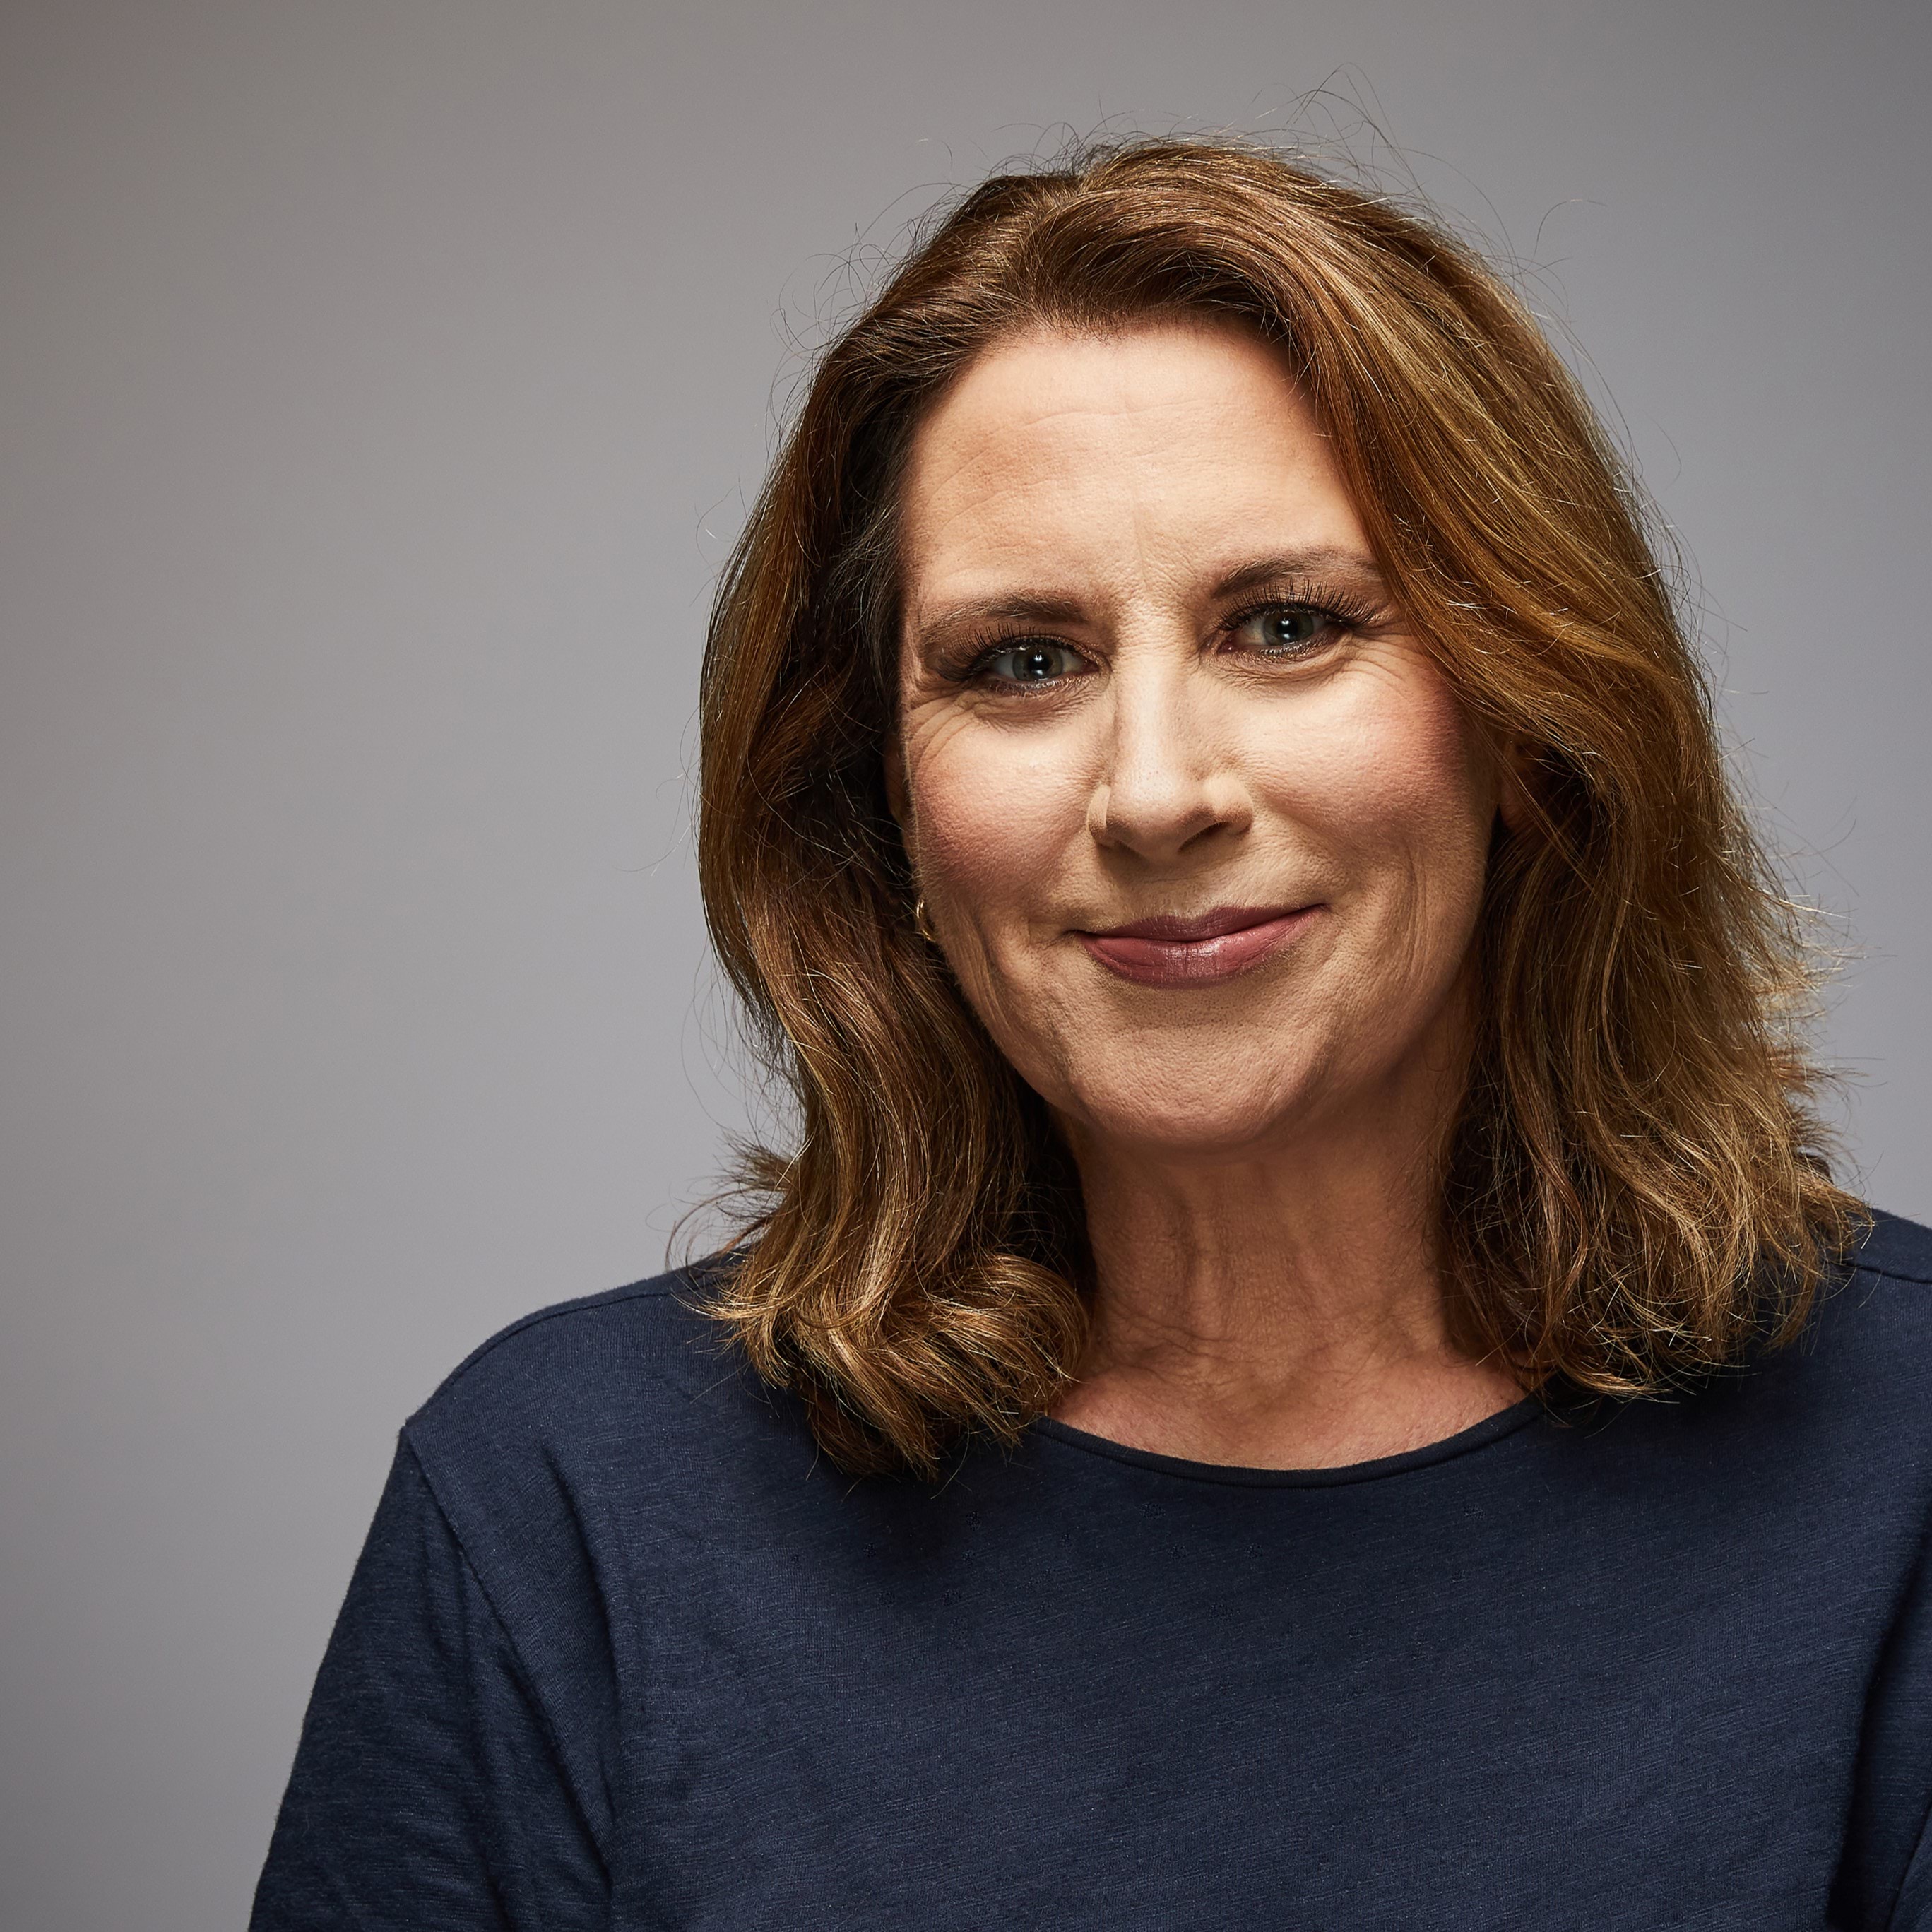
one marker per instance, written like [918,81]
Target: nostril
[1164,811]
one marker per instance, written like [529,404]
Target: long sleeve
[428,1790]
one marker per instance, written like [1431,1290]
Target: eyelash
[1335,607]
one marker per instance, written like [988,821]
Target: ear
[898,799]
[1515,762]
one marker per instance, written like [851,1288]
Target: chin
[1186,1117]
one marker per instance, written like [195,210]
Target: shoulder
[1873,1322]
[1857,1382]
[632,1396]
[1895,1249]
[587,1359]
[1869,1342]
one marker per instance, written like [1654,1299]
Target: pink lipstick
[1168,951]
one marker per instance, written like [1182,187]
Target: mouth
[1168,950]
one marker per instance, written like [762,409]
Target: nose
[1167,781]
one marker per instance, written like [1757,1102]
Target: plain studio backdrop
[383,384]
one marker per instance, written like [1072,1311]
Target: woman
[1304,1366]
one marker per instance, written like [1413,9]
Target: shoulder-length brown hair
[1634,1192]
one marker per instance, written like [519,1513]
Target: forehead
[1169,447]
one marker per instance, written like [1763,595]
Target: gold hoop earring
[921,924]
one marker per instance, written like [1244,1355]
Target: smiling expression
[1202,830]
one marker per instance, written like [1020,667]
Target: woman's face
[1200,826]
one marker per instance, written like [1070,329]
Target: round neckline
[1478,1435]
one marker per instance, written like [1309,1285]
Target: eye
[1287,630]
[1035,661]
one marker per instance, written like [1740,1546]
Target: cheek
[997,814]
[1398,794]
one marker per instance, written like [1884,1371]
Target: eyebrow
[1326,561]
[1027,608]
[1020,609]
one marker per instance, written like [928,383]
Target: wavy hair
[1635,1191]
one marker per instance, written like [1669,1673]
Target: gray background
[381,385]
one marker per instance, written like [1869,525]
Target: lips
[1168,950]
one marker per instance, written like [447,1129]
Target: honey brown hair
[1634,1192]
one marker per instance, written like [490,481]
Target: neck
[1279,1307]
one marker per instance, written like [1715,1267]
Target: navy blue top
[623,1652]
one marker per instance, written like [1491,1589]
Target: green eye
[1286,630]
[1033,662]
